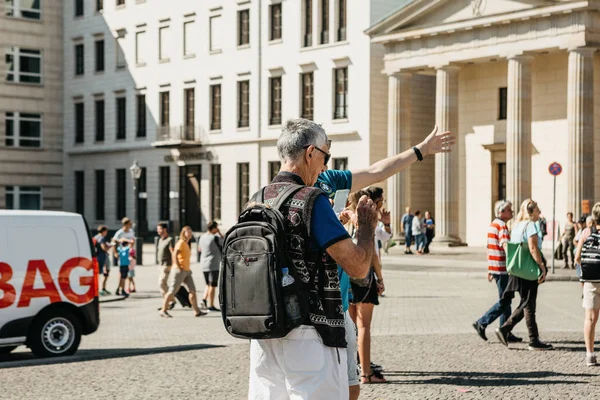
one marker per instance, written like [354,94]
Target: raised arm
[381,170]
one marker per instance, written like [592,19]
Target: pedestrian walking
[210,247]
[102,248]
[526,230]
[181,274]
[497,239]
[417,232]
[407,220]
[567,239]
[586,254]
[165,260]
[430,231]
[126,233]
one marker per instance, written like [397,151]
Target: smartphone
[339,201]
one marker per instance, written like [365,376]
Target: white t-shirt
[417,226]
[121,234]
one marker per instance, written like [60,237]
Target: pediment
[428,13]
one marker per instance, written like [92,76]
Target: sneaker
[502,337]
[213,308]
[172,305]
[204,304]
[165,314]
[591,361]
[537,345]
[107,292]
[117,292]
[480,330]
[103,292]
[376,367]
[125,294]
[199,314]
[514,339]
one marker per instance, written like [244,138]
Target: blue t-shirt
[326,229]
[407,220]
[524,230]
[331,181]
[124,256]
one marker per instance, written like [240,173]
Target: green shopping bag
[520,262]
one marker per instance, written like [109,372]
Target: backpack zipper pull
[244,259]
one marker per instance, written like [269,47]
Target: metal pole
[554,225]
[138,244]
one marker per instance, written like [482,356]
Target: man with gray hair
[310,362]
[497,238]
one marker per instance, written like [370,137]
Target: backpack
[590,258]
[250,280]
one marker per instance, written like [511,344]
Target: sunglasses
[327,155]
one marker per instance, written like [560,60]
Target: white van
[48,282]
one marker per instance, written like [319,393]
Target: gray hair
[500,206]
[296,135]
[596,212]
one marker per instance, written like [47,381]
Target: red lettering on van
[8,290]
[49,290]
[65,284]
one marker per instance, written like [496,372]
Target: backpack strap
[284,195]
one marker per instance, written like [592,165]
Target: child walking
[124,254]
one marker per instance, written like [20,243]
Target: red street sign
[555,169]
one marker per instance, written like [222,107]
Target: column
[580,120]
[399,128]
[518,130]
[446,164]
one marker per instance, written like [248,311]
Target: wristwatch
[418,153]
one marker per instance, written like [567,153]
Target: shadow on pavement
[27,359]
[481,379]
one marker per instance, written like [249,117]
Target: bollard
[156,239]
[139,247]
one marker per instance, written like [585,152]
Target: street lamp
[136,174]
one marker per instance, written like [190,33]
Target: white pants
[296,367]
[351,350]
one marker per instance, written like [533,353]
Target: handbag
[558,253]
[520,262]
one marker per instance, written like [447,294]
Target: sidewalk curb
[479,275]
[113,299]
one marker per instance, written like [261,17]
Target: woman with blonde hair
[526,230]
[591,290]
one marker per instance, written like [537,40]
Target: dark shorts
[101,265]
[211,278]
[124,270]
[368,294]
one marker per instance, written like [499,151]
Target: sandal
[199,314]
[164,314]
[372,379]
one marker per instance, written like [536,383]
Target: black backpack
[590,258]
[250,289]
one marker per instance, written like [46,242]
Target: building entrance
[189,198]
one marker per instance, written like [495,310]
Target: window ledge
[140,65]
[140,1]
[243,129]
[215,131]
[78,76]
[217,51]
[121,68]
[19,148]
[188,56]
[120,7]
[340,121]
[78,17]
[243,46]
[141,138]
[98,72]
[275,41]
[40,21]
[40,85]
[325,46]
[164,61]
[278,126]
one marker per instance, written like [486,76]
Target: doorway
[189,198]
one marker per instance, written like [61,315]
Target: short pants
[163,277]
[124,270]
[591,295]
[211,278]
[131,273]
[180,277]
[352,348]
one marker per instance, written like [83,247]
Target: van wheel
[57,333]
[6,350]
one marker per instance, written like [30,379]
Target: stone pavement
[422,335]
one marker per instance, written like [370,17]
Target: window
[274,167]
[79,8]
[215,108]
[243,185]
[243,104]
[190,113]
[121,118]
[121,193]
[340,163]
[341,34]
[215,182]
[141,115]
[341,93]
[215,33]
[99,107]
[275,92]
[23,65]
[243,27]
[324,21]
[165,189]
[307,23]
[120,3]
[100,194]
[120,43]
[188,38]
[99,8]
[276,18]
[28,9]
[79,192]
[140,48]
[307,95]
[502,104]
[99,44]
[23,197]
[23,130]
[501,181]
[79,59]
[79,123]
[164,109]
[164,44]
